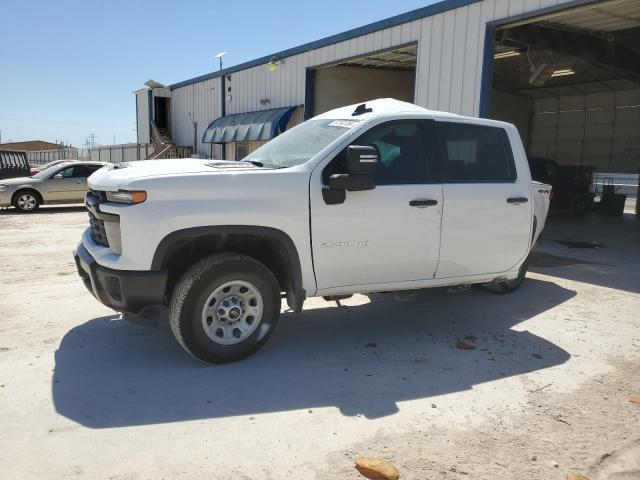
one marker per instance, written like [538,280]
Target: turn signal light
[126,196]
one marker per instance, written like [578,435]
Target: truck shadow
[362,360]
[44,210]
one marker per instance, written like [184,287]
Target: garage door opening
[570,81]
[390,73]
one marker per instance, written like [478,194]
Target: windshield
[298,145]
[50,164]
[47,171]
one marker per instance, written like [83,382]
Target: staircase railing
[161,148]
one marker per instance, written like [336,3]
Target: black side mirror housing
[362,162]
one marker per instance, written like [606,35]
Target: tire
[510,286]
[26,201]
[213,331]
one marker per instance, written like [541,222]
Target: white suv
[381,196]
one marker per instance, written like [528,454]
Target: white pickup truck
[382,196]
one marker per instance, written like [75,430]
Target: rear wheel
[510,286]
[26,201]
[224,308]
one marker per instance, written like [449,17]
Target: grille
[98,233]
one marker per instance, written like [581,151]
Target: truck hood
[114,176]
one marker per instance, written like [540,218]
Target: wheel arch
[27,189]
[272,247]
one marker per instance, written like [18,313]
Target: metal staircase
[163,147]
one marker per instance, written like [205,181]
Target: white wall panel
[142,112]
[199,103]
[599,129]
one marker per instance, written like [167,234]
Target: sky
[68,67]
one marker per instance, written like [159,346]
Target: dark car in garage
[572,184]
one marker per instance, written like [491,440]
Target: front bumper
[123,290]
[5,198]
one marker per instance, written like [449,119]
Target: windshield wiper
[254,162]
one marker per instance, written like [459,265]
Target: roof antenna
[360,109]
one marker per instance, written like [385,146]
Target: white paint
[402,243]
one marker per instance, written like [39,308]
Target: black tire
[510,286]
[26,201]
[579,206]
[193,290]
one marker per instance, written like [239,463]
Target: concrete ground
[545,393]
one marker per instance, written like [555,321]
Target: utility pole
[91,139]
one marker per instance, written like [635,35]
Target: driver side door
[67,185]
[387,235]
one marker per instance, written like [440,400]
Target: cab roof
[392,108]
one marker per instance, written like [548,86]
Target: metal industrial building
[566,72]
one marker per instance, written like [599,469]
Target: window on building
[474,153]
[242,150]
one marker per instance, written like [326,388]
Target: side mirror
[362,162]
[58,176]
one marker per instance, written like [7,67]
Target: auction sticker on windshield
[344,123]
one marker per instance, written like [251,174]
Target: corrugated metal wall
[448,74]
[599,129]
[142,110]
[449,69]
[198,103]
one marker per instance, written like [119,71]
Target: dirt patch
[594,432]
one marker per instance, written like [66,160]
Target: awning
[244,127]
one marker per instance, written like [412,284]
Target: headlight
[126,196]
[3,188]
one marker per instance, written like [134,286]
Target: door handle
[79,181]
[517,200]
[423,202]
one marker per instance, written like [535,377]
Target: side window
[93,168]
[77,171]
[475,153]
[402,152]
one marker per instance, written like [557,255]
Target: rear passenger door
[487,206]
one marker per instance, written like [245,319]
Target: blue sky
[68,67]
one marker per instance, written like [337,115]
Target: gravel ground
[544,394]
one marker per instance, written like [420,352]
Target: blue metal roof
[245,127]
[423,12]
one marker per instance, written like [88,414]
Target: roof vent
[360,109]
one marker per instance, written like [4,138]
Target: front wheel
[224,308]
[26,201]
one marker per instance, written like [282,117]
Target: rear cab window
[474,154]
